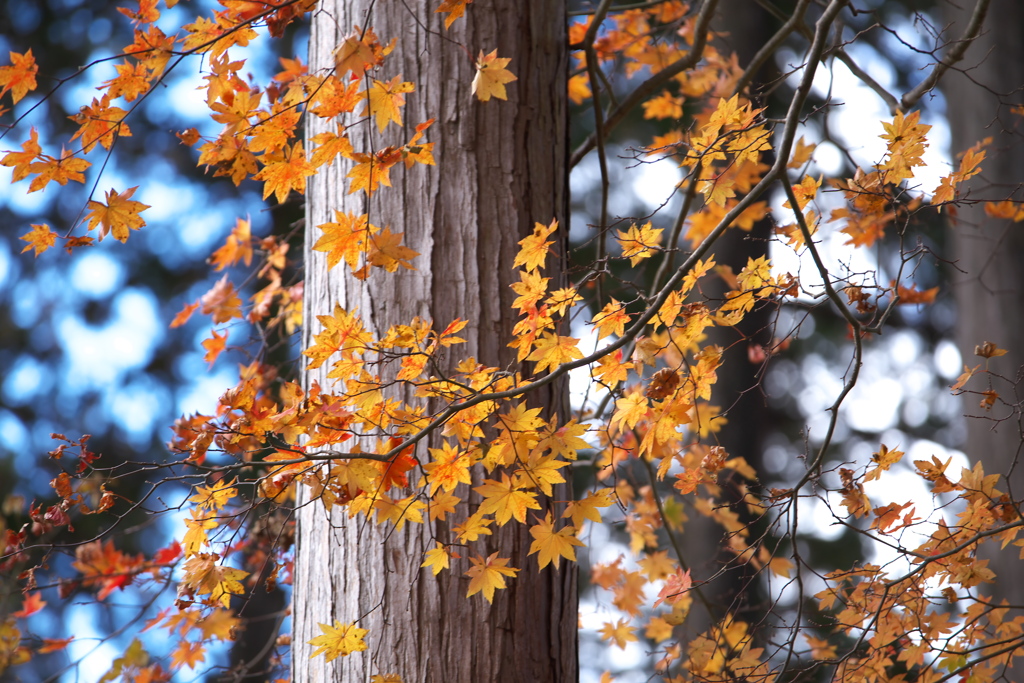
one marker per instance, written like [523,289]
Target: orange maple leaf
[214,346]
[118,215]
[23,161]
[103,564]
[32,603]
[237,247]
[387,251]
[491,76]
[20,76]
[283,173]
[100,122]
[222,302]
[454,9]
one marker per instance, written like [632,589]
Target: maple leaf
[328,146]
[630,410]
[188,654]
[23,161]
[475,526]
[675,587]
[131,81]
[620,633]
[553,350]
[505,500]
[454,9]
[195,537]
[360,51]
[237,247]
[488,575]
[553,545]
[884,459]
[580,510]
[385,99]
[534,248]
[214,497]
[31,603]
[214,346]
[119,215]
[203,575]
[491,76]
[339,640]
[343,238]
[20,77]
[437,559]
[103,564]
[54,645]
[67,167]
[39,239]
[285,172]
[449,468]
[100,122]
[612,319]
[387,251]
[221,302]
[639,243]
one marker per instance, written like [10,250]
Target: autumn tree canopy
[401,427]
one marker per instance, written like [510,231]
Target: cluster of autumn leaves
[660,386]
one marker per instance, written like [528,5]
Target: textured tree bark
[989,277]
[501,167]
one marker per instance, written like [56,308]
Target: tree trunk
[989,277]
[501,167]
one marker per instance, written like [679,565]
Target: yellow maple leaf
[195,537]
[639,243]
[39,239]
[437,559]
[553,545]
[118,215]
[587,508]
[475,526]
[630,409]
[553,350]
[487,575]
[505,500]
[491,76]
[384,100]
[535,248]
[339,640]
[214,497]
[611,319]
[620,633]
